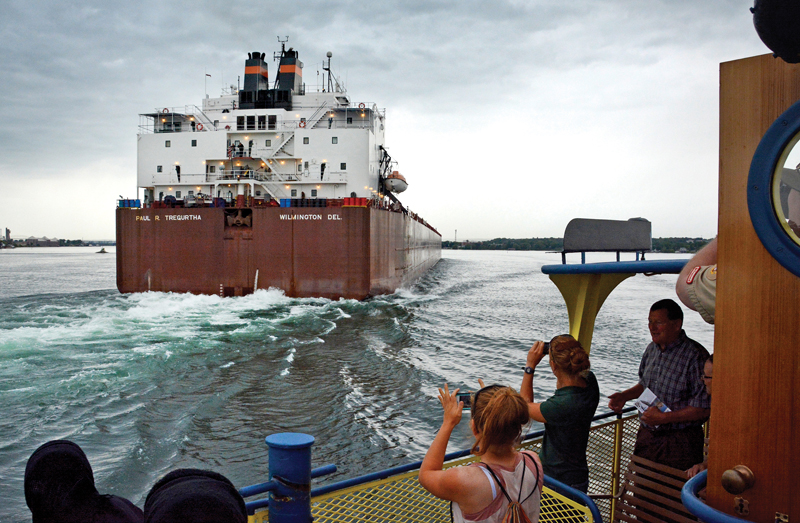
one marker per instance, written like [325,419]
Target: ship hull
[331,252]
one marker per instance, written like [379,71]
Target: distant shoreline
[667,245]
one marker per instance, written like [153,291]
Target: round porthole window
[773,189]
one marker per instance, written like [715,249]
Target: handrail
[694,505]
[382,474]
[575,495]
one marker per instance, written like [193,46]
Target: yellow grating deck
[400,498]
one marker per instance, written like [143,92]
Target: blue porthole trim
[759,190]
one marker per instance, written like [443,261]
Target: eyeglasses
[705,377]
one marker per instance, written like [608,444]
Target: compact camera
[466,397]
[546,348]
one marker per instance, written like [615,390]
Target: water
[150,382]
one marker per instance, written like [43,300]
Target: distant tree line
[681,244]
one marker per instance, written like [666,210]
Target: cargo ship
[284,186]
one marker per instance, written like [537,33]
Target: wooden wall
[754,414]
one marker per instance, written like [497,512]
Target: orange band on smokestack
[292,69]
[255,69]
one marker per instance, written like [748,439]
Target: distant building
[41,242]
[8,235]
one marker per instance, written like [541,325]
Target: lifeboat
[396,182]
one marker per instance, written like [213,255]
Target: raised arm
[535,355]
[443,484]
[705,256]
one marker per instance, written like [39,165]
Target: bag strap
[535,483]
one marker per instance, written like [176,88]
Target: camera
[546,348]
[466,397]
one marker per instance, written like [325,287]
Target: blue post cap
[289,440]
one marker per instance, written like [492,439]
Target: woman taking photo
[567,415]
[504,480]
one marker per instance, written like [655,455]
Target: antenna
[328,68]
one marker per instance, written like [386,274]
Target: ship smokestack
[256,77]
[290,72]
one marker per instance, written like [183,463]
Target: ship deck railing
[178,120]
[395,496]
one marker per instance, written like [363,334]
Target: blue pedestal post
[290,467]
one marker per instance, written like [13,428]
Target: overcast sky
[508,118]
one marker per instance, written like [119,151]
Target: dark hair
[674,311]
[498,413]
[196,495]
[568,355]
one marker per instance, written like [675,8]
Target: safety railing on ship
[394,495]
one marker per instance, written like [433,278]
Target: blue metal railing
[694,505]
[559,487]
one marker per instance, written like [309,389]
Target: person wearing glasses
[671,368]
[708,371]
[567,415]
[482,491]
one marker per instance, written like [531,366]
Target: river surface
[146,383]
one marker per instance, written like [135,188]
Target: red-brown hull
[332,252]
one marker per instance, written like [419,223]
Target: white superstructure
[264,144]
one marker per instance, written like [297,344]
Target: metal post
[616,464]
[290,468]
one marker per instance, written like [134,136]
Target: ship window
[262,122]
[177,194]
[216,123]
[212,168]
[306,165]
[268,143]
[313,193]
[191,193]
[167,143]
[299,167]
[258,193]
[251,123]
[161,196]
[335,139]
[273,121]
[350,120]
[343,166]
[305,141]
[294,193]
[240,123]
[353,195]
[159,169]
[194,143]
